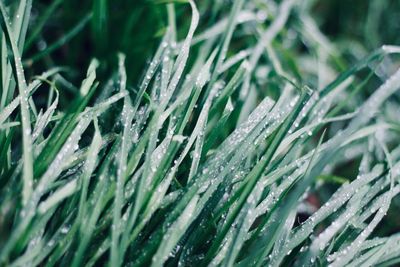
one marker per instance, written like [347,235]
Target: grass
[207,133]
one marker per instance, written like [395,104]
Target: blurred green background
[135,28]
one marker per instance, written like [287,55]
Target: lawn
[200,133]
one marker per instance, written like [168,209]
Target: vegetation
[215,133]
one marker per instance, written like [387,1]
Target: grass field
[200,133]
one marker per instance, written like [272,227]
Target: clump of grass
[229,151]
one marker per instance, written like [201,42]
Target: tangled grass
[251,139]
